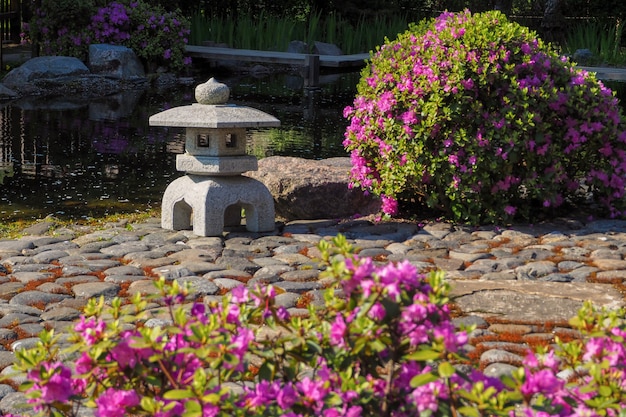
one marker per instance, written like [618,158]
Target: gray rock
[10,289]
[7,93]
[298,287]
[286,299]
[171,272]
[494,265]
[583,57]
[534,270]
[96,289]
[308,189]
[467,321]
[500,356]
[125,248]
[53,287]
[301,275]
[61,314]
[531,301]
[124,270]
[241,264]
[49,256]
[12,319]
[557,277]
[71,270]
[15,245]
[37,298]
[227,283]
[201,268]
[44,67]
[77,279]
[581,274]
[25,277]
[322,48]
[96,264]
[121,279]
[209,254]
[4,389]
[200,286]
[144,287]
[14,403]
[298,47]
[40,228]
[498,370]
[467,256]
[499,276]
[263,281]
[115,61]
[272,270]
[291,248]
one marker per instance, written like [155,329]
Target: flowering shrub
[383,345]
[158,37]
[68,27]
[58,26]
[476,116]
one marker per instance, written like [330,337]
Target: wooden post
[16,20]
[312,71]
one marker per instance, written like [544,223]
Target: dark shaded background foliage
[536,14]
[532,13]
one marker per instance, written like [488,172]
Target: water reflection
[73,158]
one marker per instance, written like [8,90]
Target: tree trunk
[553,23]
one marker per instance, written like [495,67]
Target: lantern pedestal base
[211,203]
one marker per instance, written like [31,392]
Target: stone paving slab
[531,302]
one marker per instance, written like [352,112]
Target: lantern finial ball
[212,92]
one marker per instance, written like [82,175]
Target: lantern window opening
[202,140]
[231,140]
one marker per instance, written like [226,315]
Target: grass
[272,33]
[15,229]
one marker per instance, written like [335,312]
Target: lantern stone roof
[212,112]
[213,116]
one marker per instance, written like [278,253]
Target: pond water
[76,159]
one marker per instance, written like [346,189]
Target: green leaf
[148,404]
[423,379]
[424,355]
[178,394]
[605,391]
[446,370]
[267,370]
[192,409]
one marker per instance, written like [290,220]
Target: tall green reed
[269,32]
[601,38]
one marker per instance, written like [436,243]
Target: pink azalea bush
[68,27]
[474,115]
[383,345]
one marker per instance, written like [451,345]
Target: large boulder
[59,82]
[45,67]
[115,61]
[322,48]
[306,189]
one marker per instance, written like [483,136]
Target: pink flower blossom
[510,210]
[389,205]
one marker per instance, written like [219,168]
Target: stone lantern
[214,194]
